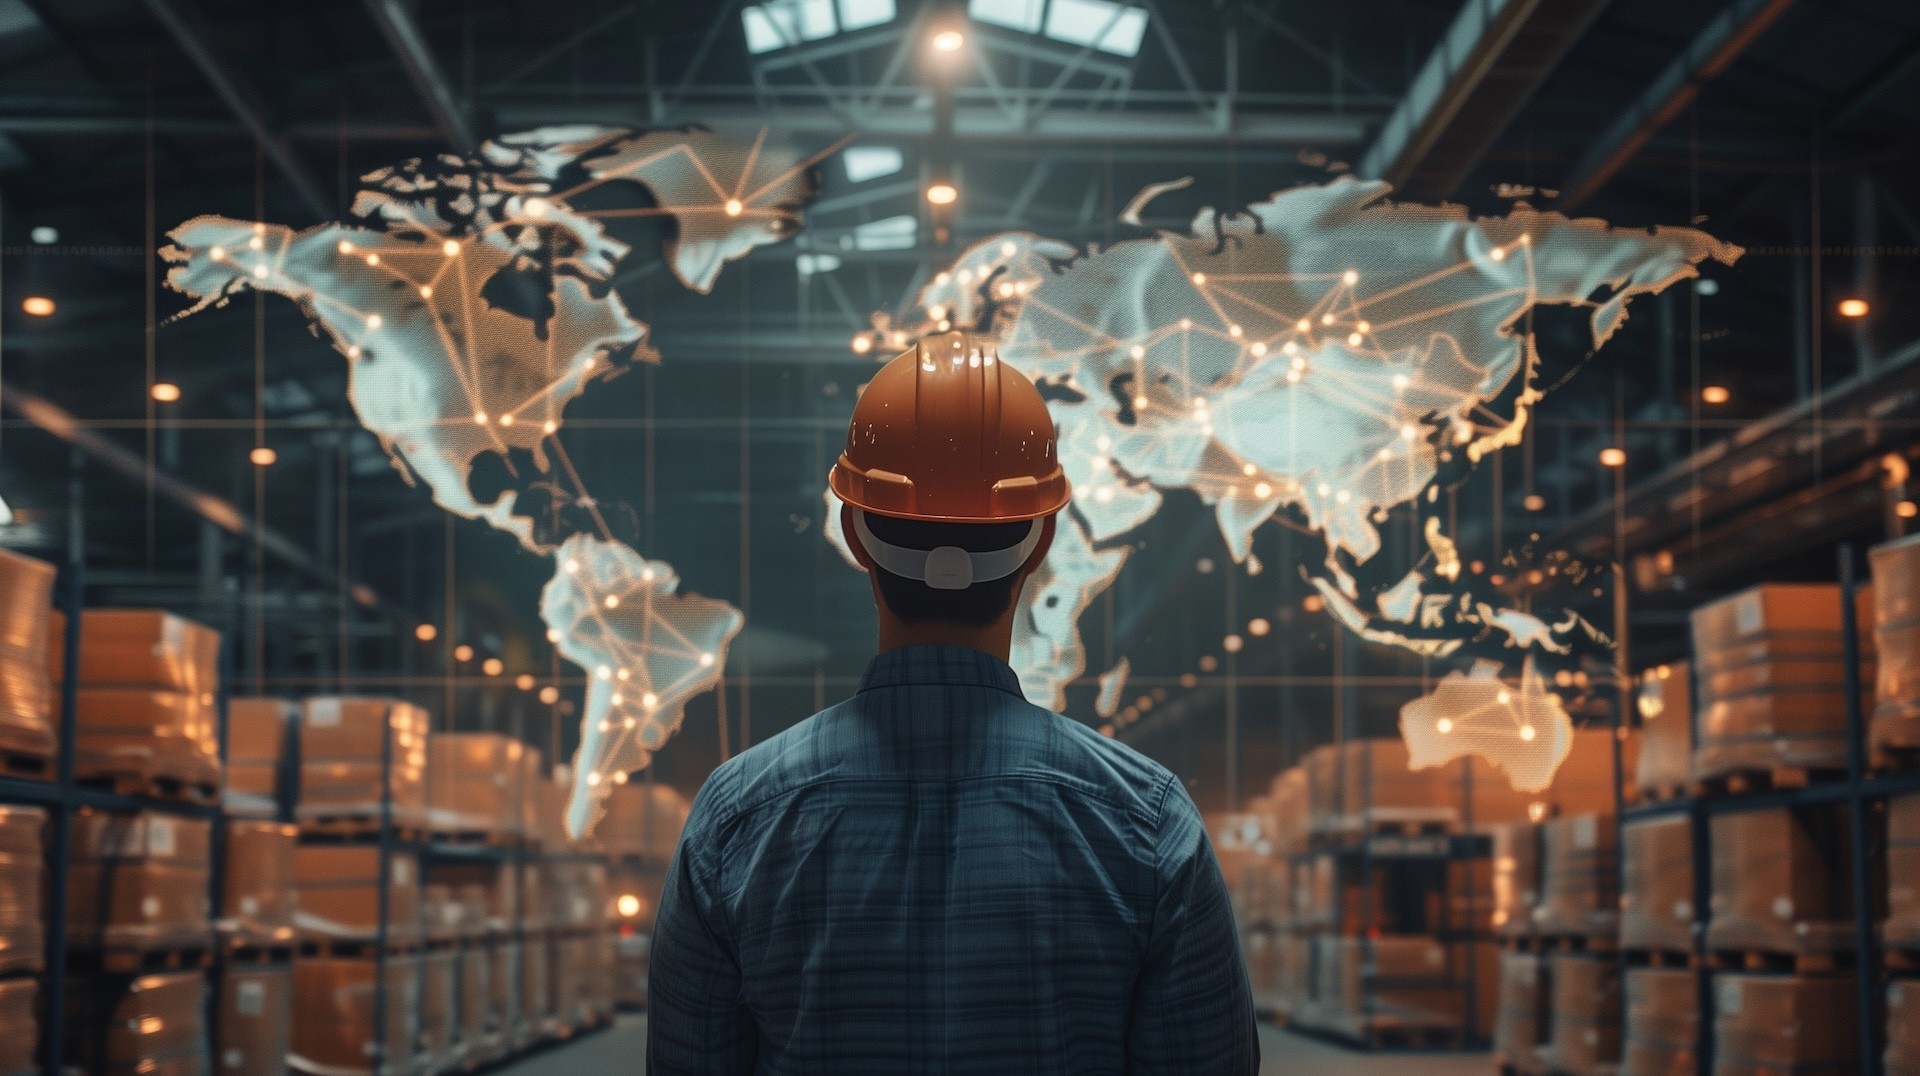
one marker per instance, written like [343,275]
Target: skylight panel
[1022,15]
[888,233]
[871,162]
[779,24]
[1106,26]
[860,14]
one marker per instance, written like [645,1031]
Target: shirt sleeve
[1192,1007]
[697,1019]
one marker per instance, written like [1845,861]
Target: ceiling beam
[403,36]
[244,102]
[1670,93]
[1485,68]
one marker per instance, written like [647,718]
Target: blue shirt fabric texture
[936,876]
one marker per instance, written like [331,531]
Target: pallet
[259,955]
[1665,793]
[1568,943]
[1660,958]
[1892,758]
[358,827]
[1774,779]
[1351,829]
[26,766]
[355,948]
[1791,963]
[1901,957]
[474,838]
[152,786]
[145,961]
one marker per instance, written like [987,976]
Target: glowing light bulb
[1137,352]
[1534,503]
[1497,254]
[218,254]
[426,291]
[1401,381]
[646,575]
[1258,627]
[1906,509]
[353,351]
[571,565]
[943,193]
[650,700]
[949,41]
[164,391]
[524,681]
[493,666]
[450,248]
[549,695]
[256,243]
[479,418]
[1354,339]
[344,247]
[1612,457]
[628,905]
[1503,698]
[1853,308]
[1303,325]
[1715,394]
[260,271]
[463,652]
[861,345]
[426,633]
[535,207]
[263,456]
[1139,403]
[506,420]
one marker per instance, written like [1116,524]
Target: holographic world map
[1324,352]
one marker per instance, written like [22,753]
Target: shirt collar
[946,666]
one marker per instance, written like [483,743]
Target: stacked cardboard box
[474,783]
[153,1026]
[1663,1022]
[139,882]
[1771,669]
[1287,806]
[26,689]
[22,942]
[1665,703]
[1782,881]
[145,709]
[1785,1023]
[1516,878]
[1656,898]
[19,1026]
[257,905]
[1896,635]
[257,731]
[256,1019]
[336,1031]
[1518,1033]
[1580,879]
[644,821]
[337,893]
[1585,1037]
[342,743]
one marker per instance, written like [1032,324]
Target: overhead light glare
[38,306]
[1853,308]
[263,456]
[1715,394]
[949,41]
[942,193]
[1613,457]
[164,391]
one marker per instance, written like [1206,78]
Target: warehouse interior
[1577,731]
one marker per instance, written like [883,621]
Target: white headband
[948,567]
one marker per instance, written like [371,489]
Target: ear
[852,537]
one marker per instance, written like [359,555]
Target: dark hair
[911,600]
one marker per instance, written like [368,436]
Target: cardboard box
[643,821]
[27,702]
[1665,702]
[1896,703]
[146,731]
[1523,1015]
[1895,567]
[154,1025]
[1516,878]
[1377,786]
[473,782]
[257,906]
[437,1010]
[1784,1023]
[1579,890]
[341,745]
[1663,1022]
[139,881]
[257,729]
[1785,612]
[1902,927]
[256,1019]
[335,1032]
[1586,1013]
[336,893]
[1656,899]
[1782,881]
[147,649]
[22,866]
[1287,799]
[19,1026]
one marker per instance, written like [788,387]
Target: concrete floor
[623,1048]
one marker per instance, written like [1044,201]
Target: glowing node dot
[706,661]
[256,243]
[1293,377]
[571,566]
[1715,394]
[623,675]
[650,700]
[260,271]
[1527,733]
[426,291]
[426,633]
[1906,509]
[463,652]
[353,351]
[1232,644]
[1326,319]
[1443,726]
[344,247]
[549,426]
[1363,326]
[1497,254]
[493,666]
[1612,457]
[536,207]
[646,575]
[603,672]
[1248,469]
[373,259]
[861,345]
[1303,325]
[506,420]
[1342,497]
[1186,323]
[374,321]
[611,601]
[1234,331]
[524,681]
[450,248]
[263,457]
[1354,339]
[1409,432]
[593,778]
[1853,308]
[217,253]
[734,207]
[1008,249]
[1139,403]
[616,699]
[1199,279]
[1137,352]
[1258,627]
[1350,277]
[1384,454]
[1258,348]
[479,418]
[1262,490]
[1401,381]
[1503,698]
[1325,489]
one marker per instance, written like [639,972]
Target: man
[936,876]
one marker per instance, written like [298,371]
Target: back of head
[950,470]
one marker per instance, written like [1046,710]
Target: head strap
[948,567]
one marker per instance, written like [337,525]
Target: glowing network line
[1323,352]
[471,302]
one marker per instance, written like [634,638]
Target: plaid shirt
[936,876]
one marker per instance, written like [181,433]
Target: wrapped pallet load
[139,882]
[257,732]
[1771,671]
[343,741]
[1784,1023]
[1656,898]
[154,1025]
[1580,881]
[1516,878]
[22,944]
[1523,1017]
[256,1019]
[1665,702]
[145,713]
[1377,788]
[1896,635]
[257,907]
[1782,881]
[1663,1022]
[474,784]
[1586,1014]
[643,821]
[335,1034]
[26,689]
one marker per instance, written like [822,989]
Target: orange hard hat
[946,432]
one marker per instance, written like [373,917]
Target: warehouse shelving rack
[1858,791]
[63,796]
